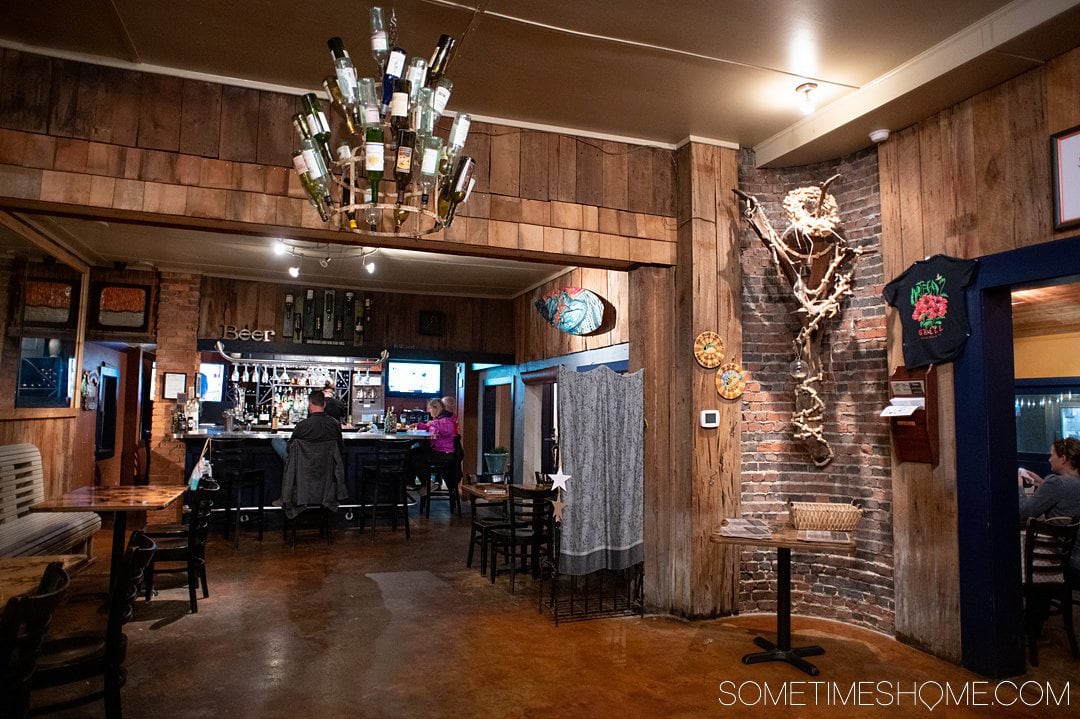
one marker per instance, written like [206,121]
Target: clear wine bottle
[379,46]
[348,112]
[429,166]
[417,77]
[441,96]
[370,103]
[310,189]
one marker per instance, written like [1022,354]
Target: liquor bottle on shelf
[379,44]
[309,313]
[390,422]
[440,59]
[348,313]
[395,69]
[287,327]
[314,191]
[329,299]
[441,96]
[348,111]
[399,107]
[416,76]
[374,158]
[298,320]
[429,166]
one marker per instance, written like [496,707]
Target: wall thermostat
[710,418]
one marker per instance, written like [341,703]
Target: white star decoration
[559,480]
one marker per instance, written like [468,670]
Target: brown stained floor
[377,626]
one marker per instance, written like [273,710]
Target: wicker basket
[825,515]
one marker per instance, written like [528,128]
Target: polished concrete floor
[377,626]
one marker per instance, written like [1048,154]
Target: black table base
[782,651]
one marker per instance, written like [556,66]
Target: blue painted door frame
[991,605]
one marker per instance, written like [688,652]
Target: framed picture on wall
[119,307]
[1065,159]
[174,385]
[49,302]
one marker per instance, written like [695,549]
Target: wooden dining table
[119,502]
[784,540]
[22,575]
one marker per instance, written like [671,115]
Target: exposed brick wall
[776,468]
[177,330]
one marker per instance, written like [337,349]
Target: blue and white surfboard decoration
[572,310]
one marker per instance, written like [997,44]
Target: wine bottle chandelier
[389,135]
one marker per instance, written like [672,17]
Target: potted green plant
[496,460]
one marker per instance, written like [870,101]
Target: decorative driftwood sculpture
[818,264]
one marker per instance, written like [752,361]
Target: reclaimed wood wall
[476,325]
[970,181]
[536,339]
[708,296]
[109,142]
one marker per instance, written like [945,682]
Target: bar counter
[360,449]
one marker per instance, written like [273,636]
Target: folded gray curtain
[600,442]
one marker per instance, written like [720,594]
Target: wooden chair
[529,531]
[486,516]
[23,624]
[448,472]
[77,657]
[1048,546]
[187,551]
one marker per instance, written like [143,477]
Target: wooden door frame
[991,638]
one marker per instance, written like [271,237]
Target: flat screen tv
[413,378]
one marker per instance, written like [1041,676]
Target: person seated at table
[314,469]
[450,409]
[1057,494]
[439,452]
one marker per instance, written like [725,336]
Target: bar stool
[384,486]
[233,471]
[447,473]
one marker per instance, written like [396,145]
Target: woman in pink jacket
[439,454]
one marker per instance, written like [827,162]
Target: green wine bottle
[374,159]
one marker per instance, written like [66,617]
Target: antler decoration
[818,264]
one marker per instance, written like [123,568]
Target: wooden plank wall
[708,296]
[970,181]
[138,146]
[472,324]
[535,339]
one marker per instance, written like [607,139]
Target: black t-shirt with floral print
[929,296]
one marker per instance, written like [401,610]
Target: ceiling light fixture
[324,253]
[806,103]
[389,133]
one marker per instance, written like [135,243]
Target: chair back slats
[530,511]
[137,557]
[1048,545]
[23,625]
[22,480]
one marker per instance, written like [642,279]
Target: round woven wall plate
[730,381]
[709,350]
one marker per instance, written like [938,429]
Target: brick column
[177,330]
